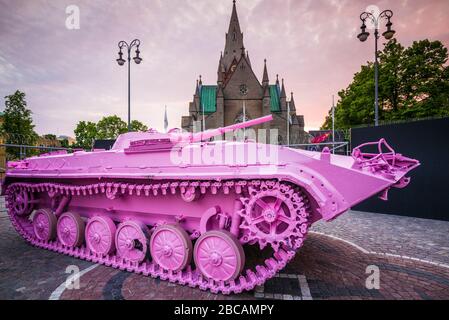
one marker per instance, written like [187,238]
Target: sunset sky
[71,75]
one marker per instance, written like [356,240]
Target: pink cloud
[71,75]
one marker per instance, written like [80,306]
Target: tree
[138,126]
[413,83]
[17,126]
[65,143]
[111,127]
[49,136]
[85,134]
[107,128]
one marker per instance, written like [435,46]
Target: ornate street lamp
[388,34]
[137,59]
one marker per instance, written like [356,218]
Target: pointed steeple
[234,40]
[283,94]
[197,89]
[283,97]
[292,103]
[220,70]
[201,81]
[265,80]
[194,107]
[277,81]
[234,25]
[247,58]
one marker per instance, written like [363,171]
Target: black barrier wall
[427,195]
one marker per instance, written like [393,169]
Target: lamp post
[137,59]
[388,34]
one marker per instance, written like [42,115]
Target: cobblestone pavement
[407,236]
[325,268]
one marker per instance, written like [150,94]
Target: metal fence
[23,148]
[23,153]
[341,148]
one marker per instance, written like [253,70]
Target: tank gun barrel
[206,135]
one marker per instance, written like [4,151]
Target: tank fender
[329,202]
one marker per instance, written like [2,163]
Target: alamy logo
[218,152]
[73,281]
[373,280]
[72,22]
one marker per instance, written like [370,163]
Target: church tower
[238,95]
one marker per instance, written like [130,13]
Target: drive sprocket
[275,213]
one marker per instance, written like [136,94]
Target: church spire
[234,25]
[292,103]
[265,80]
[197,89]
[234,39]
[283,94]
[220,70]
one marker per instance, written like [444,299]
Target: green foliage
[107,128]
[413,83]
[137,126]
[111,127]
[17,127]
[49,136]
[85,134]
[65,143]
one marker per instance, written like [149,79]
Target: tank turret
[154,141]
[206,135]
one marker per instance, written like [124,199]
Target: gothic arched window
[240,118]
[280,140]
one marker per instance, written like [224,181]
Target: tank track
[248,280]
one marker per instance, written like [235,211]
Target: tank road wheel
[70,229]
[22,202]
[100,232]
[171,247]
[219,255]
[131,241]
[44,225]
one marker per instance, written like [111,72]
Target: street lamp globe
[363,35]
[137,58]
[389,33]
[120,59]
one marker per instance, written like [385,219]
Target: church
[239,96]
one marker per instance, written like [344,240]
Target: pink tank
[185,209]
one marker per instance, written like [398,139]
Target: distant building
[237,84]
[43,141]
[71,140]
[103,144]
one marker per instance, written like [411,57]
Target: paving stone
[327,267]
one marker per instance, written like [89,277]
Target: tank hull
[153,208]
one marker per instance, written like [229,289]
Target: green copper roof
[274,97]
[208,99]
